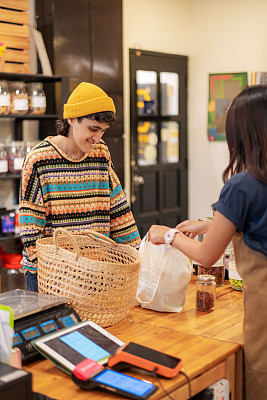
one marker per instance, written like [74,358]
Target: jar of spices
[19,98]
[217,270]
[4,98]
[12,276]
[16,153]
[37,99]
[205,292]
[3,159]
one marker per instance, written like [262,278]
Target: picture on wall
[222,90]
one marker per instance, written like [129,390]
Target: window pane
[146,92]
[169,83]
[147,143]
[169,142]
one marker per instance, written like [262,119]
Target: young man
[69,180]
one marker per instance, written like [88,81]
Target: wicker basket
[97,276]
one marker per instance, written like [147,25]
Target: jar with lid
[216,270]
[19,98]
[205,292]
[235,279]
[16,153]
[37,98]
[4,98]
[12,276]
[3,159]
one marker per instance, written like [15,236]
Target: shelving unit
[57,91]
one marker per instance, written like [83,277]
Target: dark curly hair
[62,125]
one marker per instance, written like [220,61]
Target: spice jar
[217,270]
[37,99]
[205,292]
[11,273]
[19,98]
[3,159]
[15,156]
[4,98]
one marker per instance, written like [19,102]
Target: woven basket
[97,276]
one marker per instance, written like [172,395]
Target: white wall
[217,36]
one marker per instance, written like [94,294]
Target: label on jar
[18,162]
[3,166]
[38,101]
[4,100]
[20,104]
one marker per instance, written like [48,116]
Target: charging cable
[163,388]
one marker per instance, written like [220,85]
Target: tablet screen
[73,345]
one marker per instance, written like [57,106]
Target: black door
[158,90]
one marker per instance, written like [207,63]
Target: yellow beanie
[87,99]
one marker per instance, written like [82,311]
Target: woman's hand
[156,234]
[193,228]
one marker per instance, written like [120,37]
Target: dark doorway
[158,91]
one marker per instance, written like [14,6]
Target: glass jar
[3,159]
[12,276]
[217,270]
[4,98]
[19,98]
[37,99]
[235,279]
[16,153]
[205,292]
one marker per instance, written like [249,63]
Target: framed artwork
[223,88]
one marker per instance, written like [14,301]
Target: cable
[189,383]
[163,388]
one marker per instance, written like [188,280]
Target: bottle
[205,292]
[19,98]
[235,279]
[12,276]
[4,98]
[37,98]
[217,270]
[16,153]
[3,159]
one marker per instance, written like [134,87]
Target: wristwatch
[169,236]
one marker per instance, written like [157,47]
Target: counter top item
[210,345]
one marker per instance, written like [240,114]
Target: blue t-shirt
[243,200]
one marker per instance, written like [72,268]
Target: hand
[193,228]
[156,234]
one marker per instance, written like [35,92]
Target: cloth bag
[164,277]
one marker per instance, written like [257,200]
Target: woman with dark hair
[240,215]
[69,181]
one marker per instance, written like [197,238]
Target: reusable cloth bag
[164,277]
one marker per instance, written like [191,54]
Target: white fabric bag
[164,277]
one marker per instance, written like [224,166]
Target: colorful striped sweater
[59,191]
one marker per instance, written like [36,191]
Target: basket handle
[92,233]
[70,236]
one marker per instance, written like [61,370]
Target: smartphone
[118,383]
[146,358]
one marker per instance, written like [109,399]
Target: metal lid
[205,278]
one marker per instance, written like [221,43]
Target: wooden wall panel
[14,32]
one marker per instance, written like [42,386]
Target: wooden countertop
[225,322]
[208,343]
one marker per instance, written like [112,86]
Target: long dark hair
[62,125]
[246,133]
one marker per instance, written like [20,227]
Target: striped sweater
[59,191]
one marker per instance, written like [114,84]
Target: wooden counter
[210,345]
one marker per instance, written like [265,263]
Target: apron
[252,267]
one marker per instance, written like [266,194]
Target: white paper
[6,337]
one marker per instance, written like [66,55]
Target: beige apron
[252,266]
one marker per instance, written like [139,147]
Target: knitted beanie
[87,99]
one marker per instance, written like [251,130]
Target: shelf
[30,77]
[30,116]
[11,237]
[11,175]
